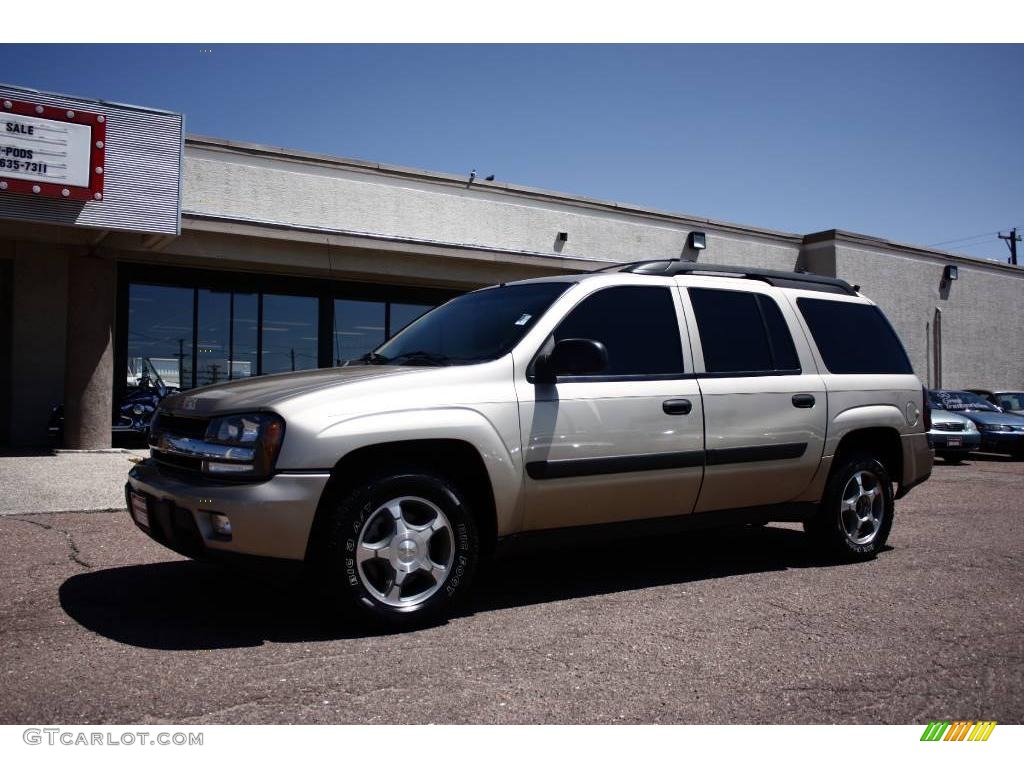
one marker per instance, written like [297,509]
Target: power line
[962,239]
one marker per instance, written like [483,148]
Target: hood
[261,392]
[993,417]
[940,416]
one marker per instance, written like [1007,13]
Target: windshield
[959,401]
[473,328]
[1010,401]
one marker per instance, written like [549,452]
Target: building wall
[259,186]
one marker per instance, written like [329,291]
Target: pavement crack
[74,554]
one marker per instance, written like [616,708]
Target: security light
[563,237]
[698,241]
[950,273]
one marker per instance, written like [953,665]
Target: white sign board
[37,149]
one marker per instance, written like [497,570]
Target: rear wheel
[401,549]
[855,516]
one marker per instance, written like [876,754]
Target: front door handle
[803,401]
[678,406]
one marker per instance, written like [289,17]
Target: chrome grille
[948,426]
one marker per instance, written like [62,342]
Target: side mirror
[572,357]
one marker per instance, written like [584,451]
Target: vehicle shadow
[189,605]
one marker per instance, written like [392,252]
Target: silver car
[952,436]
[659,396]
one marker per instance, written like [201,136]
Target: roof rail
[804,280]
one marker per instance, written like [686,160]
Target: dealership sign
[51,152]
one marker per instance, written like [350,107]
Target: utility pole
[293,358]
[1011,241]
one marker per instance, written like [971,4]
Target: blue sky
[920,144]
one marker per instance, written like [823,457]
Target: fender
[469,425]
[863,417]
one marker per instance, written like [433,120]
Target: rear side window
[636,324]
[742,333]
[854,338]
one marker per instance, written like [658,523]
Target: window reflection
[160,334]
[213,339]
[244,336]
[358,328]
[289,333]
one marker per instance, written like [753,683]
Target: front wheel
[856,513]
[402,549]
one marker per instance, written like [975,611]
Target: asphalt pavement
[98,624]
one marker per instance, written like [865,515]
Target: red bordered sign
[51,151]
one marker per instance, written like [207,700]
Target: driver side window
[636,324]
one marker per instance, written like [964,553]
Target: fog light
[221,524]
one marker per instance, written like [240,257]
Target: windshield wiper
[372,358]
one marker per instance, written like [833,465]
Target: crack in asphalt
[74,554]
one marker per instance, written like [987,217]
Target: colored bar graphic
[958,730]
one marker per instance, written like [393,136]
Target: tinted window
[474,327]
[854,338]
[783,352]
[636,324]
[742,332]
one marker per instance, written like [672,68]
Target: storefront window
[244,336]
[358,328]
[160,334]
[199,335]
[213,339]
[289,333]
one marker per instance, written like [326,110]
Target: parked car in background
[134,412]
[1008,400]
[952,436]
[1000,432]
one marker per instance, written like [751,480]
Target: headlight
[250,444]
[970,426]
[995,427]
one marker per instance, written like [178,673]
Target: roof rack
[805,280]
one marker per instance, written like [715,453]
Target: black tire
[951,458]
[355,588]
[829,528]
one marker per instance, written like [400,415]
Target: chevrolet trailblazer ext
[665,393]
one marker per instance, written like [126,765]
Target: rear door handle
[678,406]
[803,401]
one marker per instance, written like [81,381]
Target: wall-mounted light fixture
[950,273]
[698,241]
[562,237]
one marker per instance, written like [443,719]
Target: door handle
[678,406]
[803,401]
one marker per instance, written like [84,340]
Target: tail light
[926,410]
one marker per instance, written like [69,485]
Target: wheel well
[455,460]
[883,442]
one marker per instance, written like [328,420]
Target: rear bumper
[917,462]
[269,519]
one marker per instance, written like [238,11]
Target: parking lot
[101,625]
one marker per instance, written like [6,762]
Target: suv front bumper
[270,518]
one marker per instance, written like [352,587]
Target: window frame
[759,298]
[684,358]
